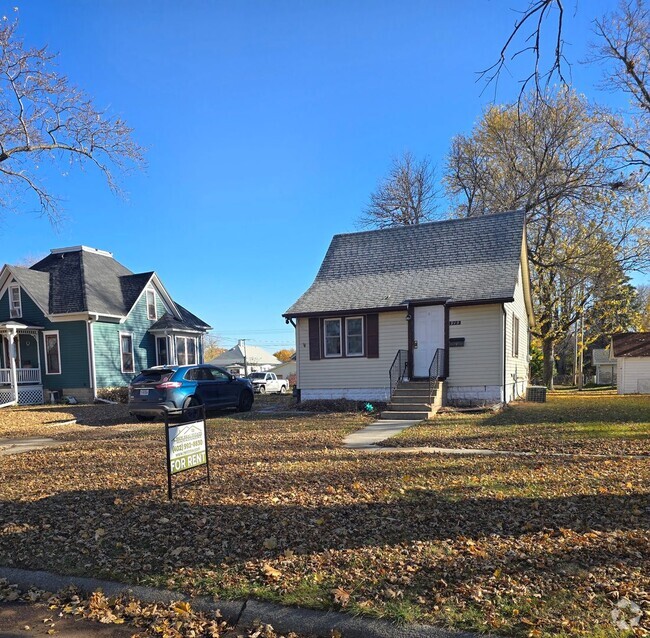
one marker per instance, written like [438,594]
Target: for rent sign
[187,448]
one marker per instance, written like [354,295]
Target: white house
[605,365]
[632,353]
[286,369]
[445,301]
[244,358]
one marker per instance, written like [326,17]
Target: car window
[218,375]
[192,375]
[153,376]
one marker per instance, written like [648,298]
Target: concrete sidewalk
[25,444]
[240,614]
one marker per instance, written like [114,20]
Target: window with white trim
[52,352]
[151,305]
[186,351]
[332,337]
[126,352]
[161,351]
[354,336]
[15,304]
[515,336]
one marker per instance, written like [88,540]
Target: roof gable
[461,260]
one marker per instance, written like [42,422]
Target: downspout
[91,354]
[505,323]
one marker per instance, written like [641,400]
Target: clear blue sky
[267,126]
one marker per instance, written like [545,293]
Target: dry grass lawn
[534,546]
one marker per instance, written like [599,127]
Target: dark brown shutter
[372,336]
[314,338]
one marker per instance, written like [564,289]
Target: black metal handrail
[437,370]
[398,369]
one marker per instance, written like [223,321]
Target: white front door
[428,335]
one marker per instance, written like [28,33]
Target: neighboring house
[632,353]
[78,320]
[605,366]
[243,359]
[447,300]
[286,370]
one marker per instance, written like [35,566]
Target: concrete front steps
[410,401]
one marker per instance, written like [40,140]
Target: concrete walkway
[368,438]
[25,444]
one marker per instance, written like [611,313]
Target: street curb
[283,619]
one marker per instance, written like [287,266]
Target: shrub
[118,394]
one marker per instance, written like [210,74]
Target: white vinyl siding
[352,372]
[633,375]
[517,364]
[479,362]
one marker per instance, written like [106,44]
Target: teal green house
[78,321]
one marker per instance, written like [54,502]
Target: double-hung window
[52,352]
[332,330]
[151,305]
[15,305]
[354,336]
[515,336]
[186,351]
[161,351]
[126,352]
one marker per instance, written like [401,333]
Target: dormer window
[151,305]
[15,305]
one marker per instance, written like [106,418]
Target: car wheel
[262,389]
[283,389]
[144,418]
[191,405]
[245,401]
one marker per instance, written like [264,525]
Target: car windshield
[153,376]
[257,375]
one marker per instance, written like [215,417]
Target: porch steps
[410,402]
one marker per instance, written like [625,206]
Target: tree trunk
[548,351]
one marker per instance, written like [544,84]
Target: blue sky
[267,126]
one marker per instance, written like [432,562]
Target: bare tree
[405,197]
[526,38]
[43,118]
[623,47]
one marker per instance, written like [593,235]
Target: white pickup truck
[267,382]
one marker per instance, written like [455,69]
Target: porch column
[12,363]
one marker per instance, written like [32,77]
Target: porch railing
[437,370]
[25,375]
[398,369]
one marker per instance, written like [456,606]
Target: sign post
[187,447]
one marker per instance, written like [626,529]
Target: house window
[15,305]
[52,352]
[354,336]
[151,305]
[332,337]
[126,351]
[161,351]
[515,336]
[186,351]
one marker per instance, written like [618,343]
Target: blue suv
[172,389]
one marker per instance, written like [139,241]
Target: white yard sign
[187,446]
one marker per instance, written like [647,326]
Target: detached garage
[632,353]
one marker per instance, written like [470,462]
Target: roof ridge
[432,223]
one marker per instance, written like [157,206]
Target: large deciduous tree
[406,196]
[554,158]
[45,119]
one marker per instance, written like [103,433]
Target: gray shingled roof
[86,281]
[458,260]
